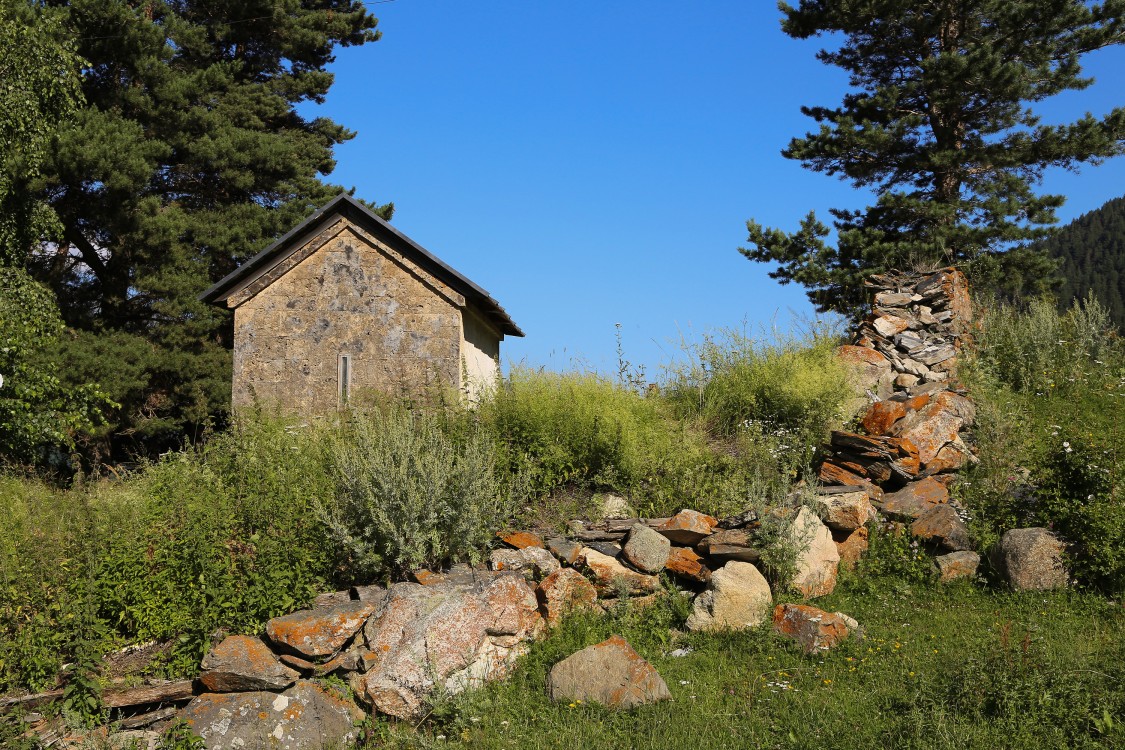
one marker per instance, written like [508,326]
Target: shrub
[1081,495]
[410,495]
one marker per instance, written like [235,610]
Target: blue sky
[593,164]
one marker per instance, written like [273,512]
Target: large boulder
[817,560]
[737,597]
[428,637]
[1032,559]
[610,673]
[304,717]
[243,663]
[646,550]
[315,633]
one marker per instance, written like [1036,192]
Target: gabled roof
[347,207]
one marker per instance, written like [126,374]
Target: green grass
[939,667]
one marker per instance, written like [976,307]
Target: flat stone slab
[314,633]
[243,663]
[304,717]
[687,527]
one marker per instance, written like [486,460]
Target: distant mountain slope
[1092,253]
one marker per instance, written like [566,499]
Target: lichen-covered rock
[914,499]
[319,632]
[737,597]
[845,511]
[852,547]
[684,563]
[817,559]
[565,591]
[519,539]
[645,550]
[941,525]
[936,425]
[957,565]
[443,635]
[1032,559]
[533,562]
[687,527]
[815,629]
[304,717]
[243,663]
[611,577]
[610,673]
[565,550]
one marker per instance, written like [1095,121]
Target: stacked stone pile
[913,433]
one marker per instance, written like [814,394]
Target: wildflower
[828,682]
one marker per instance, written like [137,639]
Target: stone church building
[345,304]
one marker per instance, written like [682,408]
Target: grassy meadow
[253,522]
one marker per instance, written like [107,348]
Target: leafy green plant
[37,411]
[179,736]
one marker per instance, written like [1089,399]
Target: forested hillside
[1091,251]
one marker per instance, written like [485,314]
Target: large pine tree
[938,124]
[188,157]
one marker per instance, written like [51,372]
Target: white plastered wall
[480,356]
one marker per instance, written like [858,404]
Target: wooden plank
[139,696]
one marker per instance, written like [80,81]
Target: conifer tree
[939,125]
[189,157]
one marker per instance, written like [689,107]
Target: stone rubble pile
[914,431]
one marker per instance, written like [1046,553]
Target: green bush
[575,428]
[411,494]
[1080,493]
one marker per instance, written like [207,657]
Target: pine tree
[188,158]
[1091,255]
[939,126]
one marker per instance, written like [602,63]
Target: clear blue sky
[593,163]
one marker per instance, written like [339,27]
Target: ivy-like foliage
[39,90]
[37,411]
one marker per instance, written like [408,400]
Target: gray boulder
[1031,559]
[304,717]
[645,549]
[610,673]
